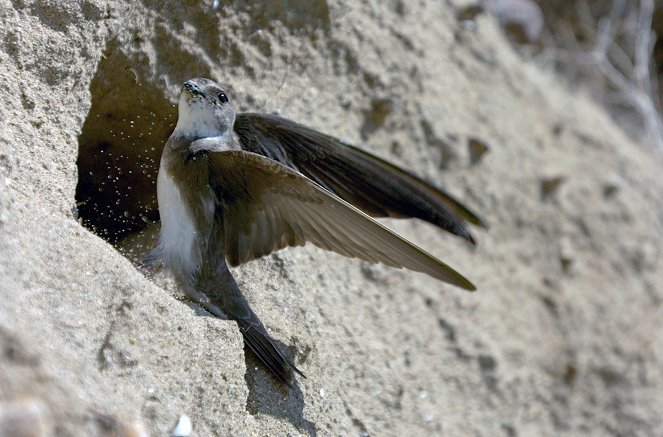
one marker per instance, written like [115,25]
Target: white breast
[177,238]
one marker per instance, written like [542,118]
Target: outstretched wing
[372,184]
[266,206]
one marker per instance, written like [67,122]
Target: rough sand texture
[563,336]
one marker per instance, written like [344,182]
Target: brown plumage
[377,187]
[232,190]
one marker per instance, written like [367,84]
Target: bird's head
[205,109]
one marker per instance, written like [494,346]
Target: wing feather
[377,187]
[267,206]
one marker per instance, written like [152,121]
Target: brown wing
[372,184]
[267,206]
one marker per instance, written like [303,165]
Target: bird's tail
[222,293]
[261,344]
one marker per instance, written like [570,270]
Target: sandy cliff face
[563,335]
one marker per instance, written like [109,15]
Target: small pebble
[550,186]
[183,427]
[612,186]
[477,149]
[566,253]
[23,418]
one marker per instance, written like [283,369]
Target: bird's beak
[191,88]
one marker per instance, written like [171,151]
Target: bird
[233,187]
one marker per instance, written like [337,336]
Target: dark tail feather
[218,285]
[259,341]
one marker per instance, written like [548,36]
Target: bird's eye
[223,98]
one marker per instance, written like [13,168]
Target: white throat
[196,118]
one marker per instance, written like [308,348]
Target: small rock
[23,418]
[108,424]
[134,429]
[521,19]
[434,139]
[557,129]
[477,149]
[612,186]
[550,186]
[566,253]
[183,427]
[469,12]
[375,116]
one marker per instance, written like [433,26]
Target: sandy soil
[563,336]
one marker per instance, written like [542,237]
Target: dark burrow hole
[119,149]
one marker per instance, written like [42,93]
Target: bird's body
[179,235]
[232,193]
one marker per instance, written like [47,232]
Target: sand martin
[235,187]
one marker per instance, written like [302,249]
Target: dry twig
[615,51]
